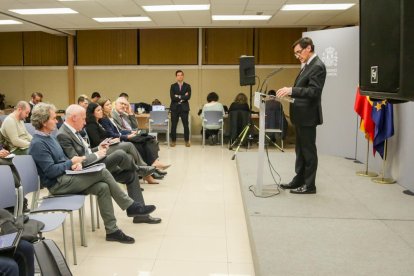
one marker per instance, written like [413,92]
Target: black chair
[238,120]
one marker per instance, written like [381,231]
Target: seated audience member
[239,113]
[97,134]
[122,124]
[36,98]
[240,103]
[117,161]
[275,117]
[16,137]
[82,101]
[52,164]
[95,97]
[20,263]
[156,102]
[212,105]
[124,95]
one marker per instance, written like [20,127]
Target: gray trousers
[101,184]
[129,148]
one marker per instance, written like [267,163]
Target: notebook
[9,242]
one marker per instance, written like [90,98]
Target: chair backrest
[212,118]
[26,167]
[8,197]
[238,120]
[159,117]
[30,128]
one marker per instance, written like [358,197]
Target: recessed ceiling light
[9,22]
[241,17]
[122,19]
[316,7]
[159,8]
[44,11]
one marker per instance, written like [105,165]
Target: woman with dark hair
[212,105]
[97,134]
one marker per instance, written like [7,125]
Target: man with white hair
[16,137]
[52,164]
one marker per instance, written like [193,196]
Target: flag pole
[383,180]
[367,173]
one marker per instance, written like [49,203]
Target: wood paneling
[11,48]
[274,45]
[168,46]
[44,49]
[225,46]
[107,47]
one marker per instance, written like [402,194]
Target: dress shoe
[163,167]
[172,144]
[137,209]
[156,175]
[145,170]
[188,144]
[119,236]
[289,186]
[160,172]
[148,219]
[304,190]
[150,180]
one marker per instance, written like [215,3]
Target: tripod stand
[247,131]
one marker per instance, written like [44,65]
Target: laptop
[9,242]
[158,108]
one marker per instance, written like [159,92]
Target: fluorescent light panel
[316,7]
[9,22]
[240,17]
[122,19]
[44,11]
[159,8]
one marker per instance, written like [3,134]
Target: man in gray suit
[123,116]
[305,114]
[120,164]
[52,164]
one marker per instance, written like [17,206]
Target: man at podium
[305,114]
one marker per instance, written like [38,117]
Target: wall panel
[107,47]
[42,49]
[11,48]
[168,46]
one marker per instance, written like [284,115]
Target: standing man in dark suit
[305,114]
[180,93]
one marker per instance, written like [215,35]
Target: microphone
[271,74]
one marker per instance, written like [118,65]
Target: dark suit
[306,114]
[120,164]
[180,108]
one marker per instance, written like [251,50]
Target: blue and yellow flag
[383,117]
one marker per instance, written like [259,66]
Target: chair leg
[75,261]
[65,248]
[82,224]
[98,225]
[204,136]
[92,213]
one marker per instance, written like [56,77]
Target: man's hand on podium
[283,92]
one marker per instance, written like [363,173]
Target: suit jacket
[72,146]
[175,101]
[132,121]
[307,92]
[112,130]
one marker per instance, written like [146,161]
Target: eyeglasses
[298,53]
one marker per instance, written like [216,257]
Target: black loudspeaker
[387,49]
[247,71]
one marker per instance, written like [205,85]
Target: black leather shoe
[289,186]
[119,236]
[137,209]
[156,175]
[147,219]
[145,170]
[304,190]
[160,172]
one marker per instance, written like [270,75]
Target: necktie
[303,69]
[85,145]
[122,121]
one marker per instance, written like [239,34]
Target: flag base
[366,174]
[382,180]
